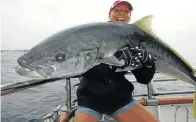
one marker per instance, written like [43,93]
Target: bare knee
[136,113]
[84,117]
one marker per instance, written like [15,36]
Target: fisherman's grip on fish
[133,57]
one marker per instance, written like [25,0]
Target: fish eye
[60,57]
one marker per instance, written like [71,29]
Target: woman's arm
[144,74]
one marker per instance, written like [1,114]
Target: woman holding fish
[102,90]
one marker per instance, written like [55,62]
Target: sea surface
[33,103]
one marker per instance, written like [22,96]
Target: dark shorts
[92,112]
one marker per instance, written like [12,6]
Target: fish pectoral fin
[111,61]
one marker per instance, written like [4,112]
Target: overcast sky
[24,23]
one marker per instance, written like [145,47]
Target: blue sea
[33,103]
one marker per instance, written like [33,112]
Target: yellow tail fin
[194,105]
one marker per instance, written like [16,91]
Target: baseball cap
[125,2]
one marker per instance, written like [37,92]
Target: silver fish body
[76,50]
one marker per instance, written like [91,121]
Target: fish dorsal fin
[145,24]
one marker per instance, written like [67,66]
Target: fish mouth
[27,72]
[43,72]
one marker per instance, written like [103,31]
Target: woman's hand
[135,56]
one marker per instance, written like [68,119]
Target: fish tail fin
[194,105]
[145,24]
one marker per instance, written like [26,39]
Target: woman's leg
[134,112]
[84,114]
[84,117]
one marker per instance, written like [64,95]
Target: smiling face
[120,13]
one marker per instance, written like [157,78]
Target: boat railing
[152,91]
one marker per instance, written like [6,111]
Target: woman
[102,90]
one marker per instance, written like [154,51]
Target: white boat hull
[173,112]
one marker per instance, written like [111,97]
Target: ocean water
[33,103]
